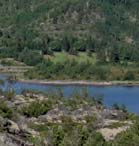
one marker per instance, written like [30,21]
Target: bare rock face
[19,100]
[13,140]
[6,141]
[54,115]
[14,134]
[113,114]
[35,96]
[110,134]
[12,127]
[2,140]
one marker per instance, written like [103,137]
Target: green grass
[81,57]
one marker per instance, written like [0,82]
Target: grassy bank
[74,70]
[59,57]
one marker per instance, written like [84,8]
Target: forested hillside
[68,42]
[108,29]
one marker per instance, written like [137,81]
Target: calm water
[129,96]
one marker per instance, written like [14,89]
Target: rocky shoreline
[24,116]
[81,82]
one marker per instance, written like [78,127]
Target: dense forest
[108,29]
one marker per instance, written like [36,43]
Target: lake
[129,96]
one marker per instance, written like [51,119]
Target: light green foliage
[81,57]
[37,141]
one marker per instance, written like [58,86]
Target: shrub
[30,57]
[5,111]
[129,76]
[36,108]
[9,94]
